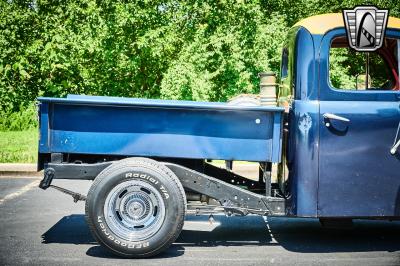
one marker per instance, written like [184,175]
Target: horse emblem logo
[365,27]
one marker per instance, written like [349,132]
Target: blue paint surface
[158,128]
[357,174]
[344,170]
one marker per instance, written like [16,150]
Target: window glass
[352,70]
[285,60]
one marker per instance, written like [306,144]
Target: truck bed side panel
[157,130]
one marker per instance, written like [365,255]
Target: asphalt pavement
[46,228]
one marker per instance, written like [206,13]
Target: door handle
[330,116]
[395,147]
[335,117]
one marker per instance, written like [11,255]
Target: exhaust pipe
[267,88]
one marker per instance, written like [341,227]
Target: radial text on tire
[136,207]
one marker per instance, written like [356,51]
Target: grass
[18,146]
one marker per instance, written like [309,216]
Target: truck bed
[159,128]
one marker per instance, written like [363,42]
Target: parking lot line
[273,240]
[20,191]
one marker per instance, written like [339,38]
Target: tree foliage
[193,50]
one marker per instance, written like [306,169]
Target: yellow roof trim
[320,24]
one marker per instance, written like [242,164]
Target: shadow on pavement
[225,231]
[70,229]
[308,236]
[101,252]
[293,234]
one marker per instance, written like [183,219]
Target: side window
[352,70]
[286,89]
[285,92]
[285,61]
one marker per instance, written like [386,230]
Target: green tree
[195,50]
[231,45]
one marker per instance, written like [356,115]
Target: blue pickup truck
[333,141]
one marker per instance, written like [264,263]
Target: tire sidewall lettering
[159,178]
[151,179]
[130,245]
[139,175]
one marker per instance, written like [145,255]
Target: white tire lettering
[119,242]
[164,191]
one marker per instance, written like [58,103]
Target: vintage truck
[334,144]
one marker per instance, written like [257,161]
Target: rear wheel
[136,207]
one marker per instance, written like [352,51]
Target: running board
[232,198]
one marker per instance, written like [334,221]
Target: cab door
[358,175]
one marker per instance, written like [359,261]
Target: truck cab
[341,129]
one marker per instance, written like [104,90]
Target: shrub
[25,119]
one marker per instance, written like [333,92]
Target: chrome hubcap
[134,210]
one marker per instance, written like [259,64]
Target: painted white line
[273,240]
[20,191]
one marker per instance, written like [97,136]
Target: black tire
[140,176]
